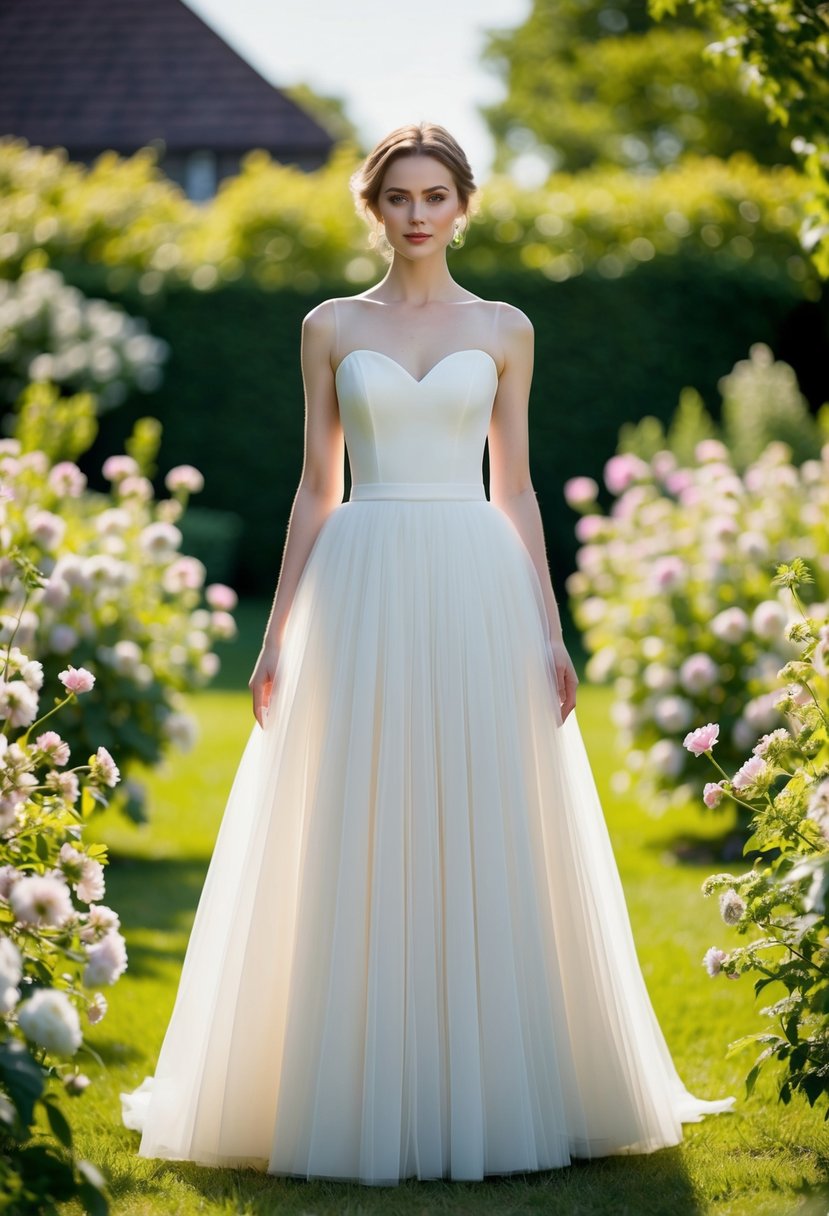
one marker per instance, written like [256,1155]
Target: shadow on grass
[655,1183]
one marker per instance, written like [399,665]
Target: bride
[412,955]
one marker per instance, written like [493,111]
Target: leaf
[22,1077]
[58,1123]
[751,1078]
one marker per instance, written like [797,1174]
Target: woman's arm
[320,490]
[510,483]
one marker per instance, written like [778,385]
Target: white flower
[181,729]
[698,672]
[713,960]
[50,1019]
[732,906]
[768,620]
[97,1007]
[11,964]
[184,477]
[658,677]
[97,922]
[731,625]
[41,899]
[107,960]
[9,875]
[160,539]
[673,714]
[667,757]
[18,702]
[85,873]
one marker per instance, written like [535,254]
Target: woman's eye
[437,198]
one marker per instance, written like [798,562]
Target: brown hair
[417,139]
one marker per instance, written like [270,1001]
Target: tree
[602,81]
[780,49]
[328,111]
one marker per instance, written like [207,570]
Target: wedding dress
[412,955]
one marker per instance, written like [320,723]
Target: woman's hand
[565,677]
[262,680]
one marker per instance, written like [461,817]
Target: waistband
[417,489]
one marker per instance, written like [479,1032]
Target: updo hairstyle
[416,139]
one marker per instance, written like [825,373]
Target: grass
[765,1159]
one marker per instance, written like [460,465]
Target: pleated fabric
[412,955]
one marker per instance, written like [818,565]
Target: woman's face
[418,204]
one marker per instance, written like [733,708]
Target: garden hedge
[607,351]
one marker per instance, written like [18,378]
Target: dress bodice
[402,430]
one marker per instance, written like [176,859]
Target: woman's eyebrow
[400,190]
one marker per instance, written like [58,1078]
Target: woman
[412,955]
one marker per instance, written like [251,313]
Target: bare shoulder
[319,322]
[513,323]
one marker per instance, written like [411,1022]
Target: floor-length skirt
[412,955]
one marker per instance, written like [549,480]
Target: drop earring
[458,236]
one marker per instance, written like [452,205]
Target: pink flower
[667,572]
[710,449]
[588,527]
[750,772]
[580,491]
[219,595]
[76,679]
[620,471]
[103,768]
[712,795]
[55,748]
[702,739]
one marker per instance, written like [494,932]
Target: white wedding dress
[412,955]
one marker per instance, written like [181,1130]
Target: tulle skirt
[412,955]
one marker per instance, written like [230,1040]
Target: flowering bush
[50,331]
[119,598]
[53,955]
[784,785]
[671,593]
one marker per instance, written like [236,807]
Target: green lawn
[764,1159]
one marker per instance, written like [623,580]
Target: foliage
[330,112]
[589,82]
[50,331]
[784,785]
[761,403]
[282,227]
[51,952]
[670,594]
[687,320]
[613,221]
[781,50]
[119,596]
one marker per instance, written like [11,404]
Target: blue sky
[392,65]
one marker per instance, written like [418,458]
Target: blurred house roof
[93,74]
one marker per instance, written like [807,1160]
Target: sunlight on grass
[751,1161]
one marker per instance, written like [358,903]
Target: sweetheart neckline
[365,350]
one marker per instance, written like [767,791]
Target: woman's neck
[418,283]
